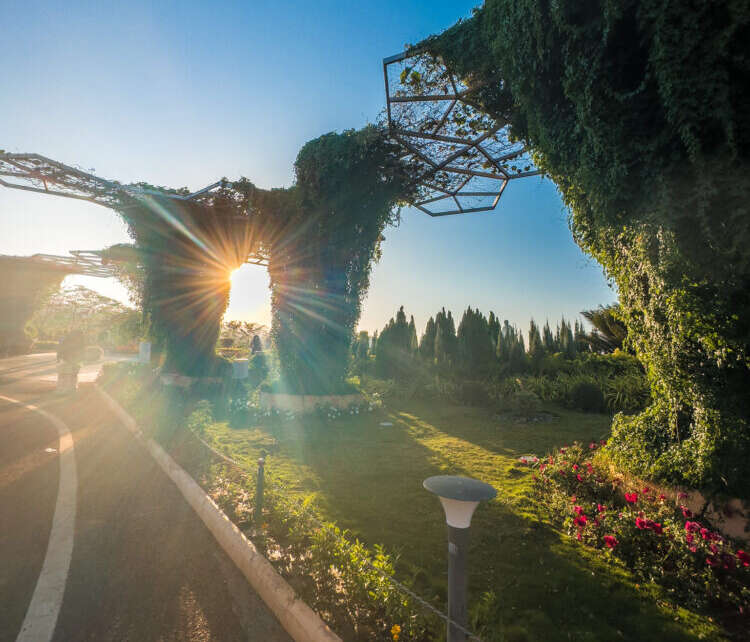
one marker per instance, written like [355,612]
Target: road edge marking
[295,616]
[46,600]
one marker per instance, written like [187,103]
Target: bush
[586,396]
[473,393]
[45,346]
[92,354]
[649,530]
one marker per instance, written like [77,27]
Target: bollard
[259,494]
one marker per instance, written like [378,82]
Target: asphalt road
[142,566]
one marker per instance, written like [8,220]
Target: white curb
[298,619]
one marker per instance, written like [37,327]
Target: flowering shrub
[329,569]
[649,530]
[250,411]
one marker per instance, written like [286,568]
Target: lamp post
[459,496]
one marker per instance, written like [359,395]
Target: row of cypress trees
[480,345]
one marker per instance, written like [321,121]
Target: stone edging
[298,619]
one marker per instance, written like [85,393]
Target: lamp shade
[459,496]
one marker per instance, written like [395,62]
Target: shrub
[92,354]
[473,393]
[45,346]
[586,396]
[648,529]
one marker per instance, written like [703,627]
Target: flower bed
[650,530]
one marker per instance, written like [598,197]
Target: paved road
[143,566]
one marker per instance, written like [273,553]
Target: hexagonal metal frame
[470,148]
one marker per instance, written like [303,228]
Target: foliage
[188,250]
[72,348]
[394,355]
[609,332]
[332,465]
[648,529]
[652,162]
[101,319]
[586,396]
[474,343]
[23,288]
[325,234]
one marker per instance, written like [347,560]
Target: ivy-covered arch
[638,110]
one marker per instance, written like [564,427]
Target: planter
[301,404]
[67,377]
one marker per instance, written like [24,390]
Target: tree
[548,339]
[609,332]
[394,357]
[413,342]
[652,162]
[427,342]
[445,338]
[474,345]
[536,346]
[256,346]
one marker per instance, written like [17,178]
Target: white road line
[41,617]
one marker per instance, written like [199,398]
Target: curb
[298,619]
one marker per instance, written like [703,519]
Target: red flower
[592,446]
[662,497]
[641,523]
[657,528]
[631,498]
[578,510]
[580,521]
[573,499]
[610,541]
[743,557]
[575,467]
[712,561]
[603,442]
[686,512]
[579,478]
[589,468]
[692,527]
[601,508]
[646,490]
[689,538]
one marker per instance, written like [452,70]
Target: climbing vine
[638,111]
[324,234]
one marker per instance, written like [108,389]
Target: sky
[184,93]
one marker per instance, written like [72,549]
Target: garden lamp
[459,496]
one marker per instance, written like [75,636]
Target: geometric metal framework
[37,173]
[88,263]
[463,159]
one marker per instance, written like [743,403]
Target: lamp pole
[459,496]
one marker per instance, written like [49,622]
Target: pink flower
[603,442]
[592,446]
[580,521]
[662,497]
[689,538]
[657,528]
[712,561]
[578,536]
[743,557]
[641,523]
[575,467]
[646,490]
[573,499]
[578,510]
[686,512]
[610,541]
[579,478]
[601,508]
[589,468]
[631,498]
[692,527]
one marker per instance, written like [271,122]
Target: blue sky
[185,93]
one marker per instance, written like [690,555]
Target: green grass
[537,583]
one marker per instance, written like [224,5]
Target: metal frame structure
[86,262]
[457,170]
[42,175]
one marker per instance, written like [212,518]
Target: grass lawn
[528,580]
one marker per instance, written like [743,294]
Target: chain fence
[390,579]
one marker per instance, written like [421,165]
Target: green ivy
[637,109]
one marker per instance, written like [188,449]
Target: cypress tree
[427,343]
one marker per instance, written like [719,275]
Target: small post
[259,493]
[459,496]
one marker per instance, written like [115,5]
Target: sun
[233,275]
